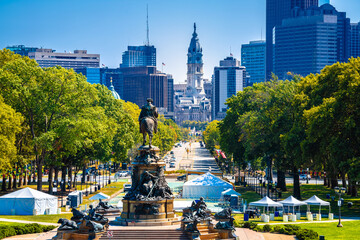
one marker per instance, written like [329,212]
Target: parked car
[127,187]
[181,178]
[304,176]
[123,174]
[172,165]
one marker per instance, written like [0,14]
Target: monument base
[74,234]
[147,213]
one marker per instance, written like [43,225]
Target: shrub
[277,228]
[289,229]
[306,234]
[258,229]
[267,228]
[250,225]
[8,231]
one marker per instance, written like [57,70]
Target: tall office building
[192,104]
[355,40]
[50,58]
[253,58]
[229,78]
[140,83]
[78,59]
[170,93]
[92,75]
[115,75]
[22,50]
[311,40]
[139,56]
[276,11]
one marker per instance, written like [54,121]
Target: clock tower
[195,85]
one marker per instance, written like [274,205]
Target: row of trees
[311,122]
[198,125]
[53,118]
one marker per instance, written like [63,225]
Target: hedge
[9,230]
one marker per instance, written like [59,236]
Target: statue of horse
[147,126]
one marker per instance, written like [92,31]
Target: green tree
[211,136]
[10,125]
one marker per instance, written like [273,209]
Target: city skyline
[107,29]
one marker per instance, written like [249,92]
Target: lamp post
[340,191]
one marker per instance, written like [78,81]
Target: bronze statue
[67,224]
[148,120]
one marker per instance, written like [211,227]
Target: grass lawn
[39,218]
[307,191]
[319,190]
[350,231]
[108,190]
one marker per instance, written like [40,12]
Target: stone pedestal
[150,201]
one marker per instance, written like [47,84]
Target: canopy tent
[265,202]
[26,200]
[230,192]
[206,185]
[314,200]
[292,202]
[99,196]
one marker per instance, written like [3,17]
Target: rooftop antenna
[147,25]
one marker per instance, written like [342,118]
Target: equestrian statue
[148,120]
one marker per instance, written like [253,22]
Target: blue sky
[107,27]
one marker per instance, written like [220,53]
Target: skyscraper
[92,74]
[229,79]
[140,83]
[276,11]
[355,40]
[78,59]
[253,57]
[139,56]
[170,93]
[22,50]
[310,40]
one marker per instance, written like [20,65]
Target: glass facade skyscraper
[22,50]
[92,74]
[311,40]
[355,40]
[229,78]
[253,58]
[276,11]
[139,56]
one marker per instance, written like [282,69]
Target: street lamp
[340,191]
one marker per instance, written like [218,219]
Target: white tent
[98,196]
[230,192]
[314,200]
[206,185]
[26,200]
[265,202]
[292,202]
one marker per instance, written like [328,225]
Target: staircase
[206,233]
[131,234]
